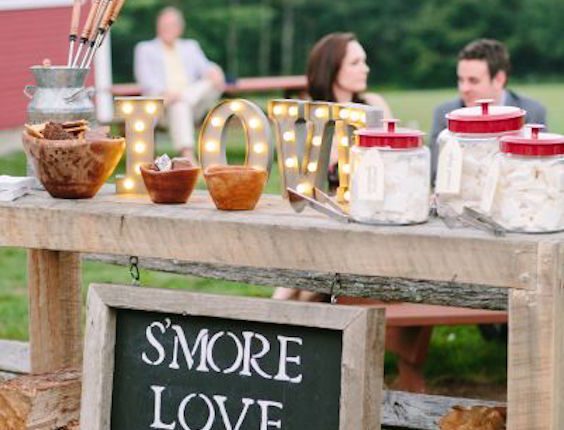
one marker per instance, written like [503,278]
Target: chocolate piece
[181,163]
[55,131]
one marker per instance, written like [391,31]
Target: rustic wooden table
[424,263]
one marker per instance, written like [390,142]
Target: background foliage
[410,43]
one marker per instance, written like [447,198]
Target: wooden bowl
[73,169]
[171,186]
[235,188]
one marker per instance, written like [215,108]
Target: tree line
[410,43]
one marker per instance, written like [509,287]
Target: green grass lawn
[456,353]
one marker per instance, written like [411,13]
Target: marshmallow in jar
[390,175]
[525,186]
[466,150]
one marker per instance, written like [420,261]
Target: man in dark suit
[483,70]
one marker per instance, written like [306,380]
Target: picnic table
[427,263]
[288,84]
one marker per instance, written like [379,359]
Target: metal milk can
[59,95]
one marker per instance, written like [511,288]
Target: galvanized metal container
[59,95]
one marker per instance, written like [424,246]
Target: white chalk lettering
[265,421]
[200,342]
[198,350]
[282,374]
[157,422]
[220,400]
[250,360]
[155,343]
[182,412]
[238,358]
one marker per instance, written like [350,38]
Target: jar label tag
[449,168]
[490,187]
[370,176]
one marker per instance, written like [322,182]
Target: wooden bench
[409,328]
[288,84]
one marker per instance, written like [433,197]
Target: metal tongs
[320,202]
[472,217]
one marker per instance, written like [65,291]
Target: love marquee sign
[301,131]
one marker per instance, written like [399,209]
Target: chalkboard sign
[162,359]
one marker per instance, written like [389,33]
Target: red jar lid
[389,136]
[485,119]
[537,145]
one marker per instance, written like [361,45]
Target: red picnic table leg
[410,344]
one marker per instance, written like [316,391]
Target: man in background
[178,70]
[483,71]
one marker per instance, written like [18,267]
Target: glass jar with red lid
[466,150]
[525,185]
[390,175]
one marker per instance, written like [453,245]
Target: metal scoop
[320,202]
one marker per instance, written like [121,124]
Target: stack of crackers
[69,130]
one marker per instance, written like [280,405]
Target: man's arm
[205,69]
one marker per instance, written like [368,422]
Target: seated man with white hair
[178,70]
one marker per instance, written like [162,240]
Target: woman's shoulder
[376,100]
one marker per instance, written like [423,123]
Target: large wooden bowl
[170,186]
[73,169]
[235,188]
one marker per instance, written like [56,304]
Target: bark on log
[40,402]
[381,288]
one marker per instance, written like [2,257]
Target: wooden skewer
[86,30]
[109,19]
[92,37]
[73,34]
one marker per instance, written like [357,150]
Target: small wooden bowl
[73,169]
[235,188]
[171,186]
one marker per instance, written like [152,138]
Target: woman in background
[336,72]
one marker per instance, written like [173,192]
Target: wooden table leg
[536,347]
[54,280]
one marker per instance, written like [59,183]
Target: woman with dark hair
[336,72]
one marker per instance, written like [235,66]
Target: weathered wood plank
[421,411]
[54,281]
[387,289]
[535,378]
[98,371]
[363,371]
[48,401]
[272,236]
[14,356]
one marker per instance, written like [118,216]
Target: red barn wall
[28,36]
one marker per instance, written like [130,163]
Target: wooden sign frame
[363,336]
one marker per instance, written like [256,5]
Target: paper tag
[449,168]
[490,187]
[370,177]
